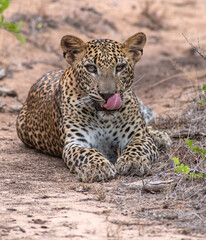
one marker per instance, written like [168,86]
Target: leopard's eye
[120,67]
[91,68]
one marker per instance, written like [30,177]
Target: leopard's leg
[89,164]
[161,139]
[137,157]
[21,126]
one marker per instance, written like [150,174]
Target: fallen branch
[155,186]
[187,134]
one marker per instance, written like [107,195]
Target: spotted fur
[63,114]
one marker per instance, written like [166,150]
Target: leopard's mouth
[99,107]
[113,103]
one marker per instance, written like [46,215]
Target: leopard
[89,115]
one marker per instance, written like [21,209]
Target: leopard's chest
[106,139]
[110,135]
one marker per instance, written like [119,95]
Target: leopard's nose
[106,96]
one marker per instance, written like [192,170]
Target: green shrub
[185,169]
[203,97]
[10,26]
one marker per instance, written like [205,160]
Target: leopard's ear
[73,48]
[133,46]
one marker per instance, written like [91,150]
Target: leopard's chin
[108,114]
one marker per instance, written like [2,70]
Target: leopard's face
[103,68]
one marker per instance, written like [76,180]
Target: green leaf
[2,20]
[12,27]
[4,4]
[21,38]
[195,148]
[203,88]
[198,150]
[182,169]
[18,27]
[176,160]
[179,169]
[189,142]
[186,169]
[9,26]
[192,175]
[202,103]
[199,175]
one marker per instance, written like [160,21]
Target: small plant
[196,149]
[10,26]
[185,169]
[203,98]
[181,168]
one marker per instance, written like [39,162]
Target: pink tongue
[114,102]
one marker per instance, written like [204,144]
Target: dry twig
[198,50]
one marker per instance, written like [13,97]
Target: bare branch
[198,50]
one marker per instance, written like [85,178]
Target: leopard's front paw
[92,172]
[161,139]
[133,166]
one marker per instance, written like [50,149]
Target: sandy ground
[40,199]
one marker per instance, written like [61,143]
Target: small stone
[39,221]
[2,73]
[170,215]
[44,226]
[22,230]
[15,108]
[7,92]
[12,209]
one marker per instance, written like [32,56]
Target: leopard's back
[39,121]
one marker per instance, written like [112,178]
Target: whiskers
[82,98]
[96,98]
[86,98]
[134,84]
[126,96]
[83,101]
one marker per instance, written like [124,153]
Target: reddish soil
[40,199]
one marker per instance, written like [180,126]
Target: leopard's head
[104,68]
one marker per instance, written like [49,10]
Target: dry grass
[190,125]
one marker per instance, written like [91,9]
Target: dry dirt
[39,198]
